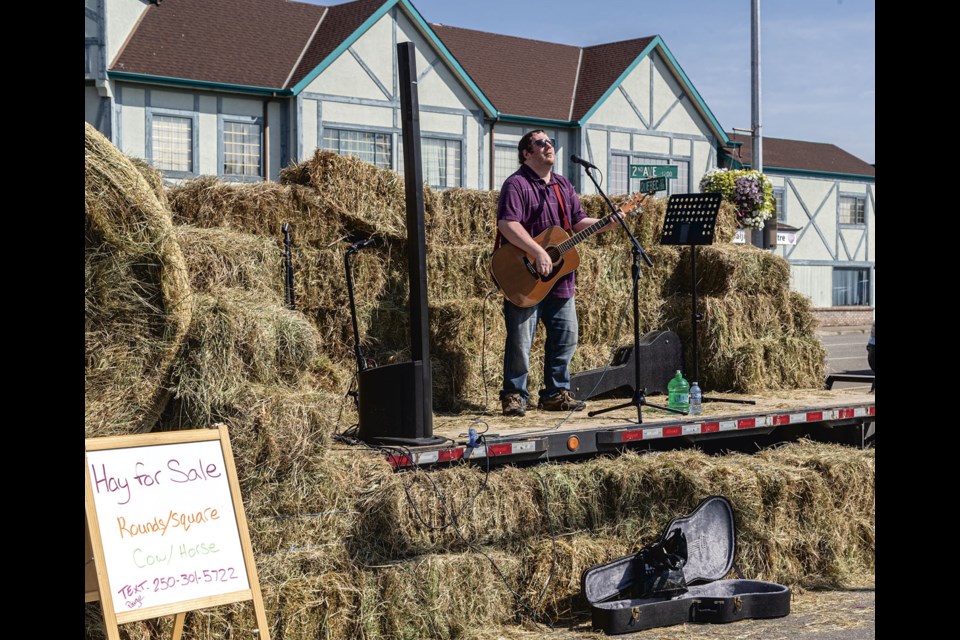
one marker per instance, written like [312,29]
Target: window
[851,287]
[780,198]
[441,162]
[369,146]
[852,209]
[172,143]
[619,172]
[620,182]
[504,163]
[241,148]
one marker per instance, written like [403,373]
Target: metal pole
[755,84]
[770,226]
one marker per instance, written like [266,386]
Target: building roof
[521,77]
[276,44]
[250,43]
[535,79]
[797,155]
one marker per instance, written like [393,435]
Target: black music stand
[639,399]
[691,219]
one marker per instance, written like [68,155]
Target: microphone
[361,244]
[587,165]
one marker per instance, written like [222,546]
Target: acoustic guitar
[515,273]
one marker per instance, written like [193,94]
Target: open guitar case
[694,554]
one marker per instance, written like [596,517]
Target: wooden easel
[97,581]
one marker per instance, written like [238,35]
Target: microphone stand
[639,399]
[357,346]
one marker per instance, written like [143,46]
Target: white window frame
[865,283]
[460,161]
[151,112]
[222,147]
[780,197]
[371,131]
[859,197]
[511,166]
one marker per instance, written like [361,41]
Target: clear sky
[817,57]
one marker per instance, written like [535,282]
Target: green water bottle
[678,393]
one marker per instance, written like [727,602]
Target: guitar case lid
[711,547]
[710,534]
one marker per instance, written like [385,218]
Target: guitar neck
[581,235]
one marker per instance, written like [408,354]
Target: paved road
[847,353]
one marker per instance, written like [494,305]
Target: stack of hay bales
[756,334]
[345,548]
[136,293]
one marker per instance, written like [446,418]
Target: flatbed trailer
[843,416]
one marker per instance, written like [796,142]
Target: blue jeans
[559,317]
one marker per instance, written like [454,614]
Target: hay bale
[259,208]
[236,337]
[837,541]
[219,258]
[154,178]
[458,272]
[446,511]
[750,342]
[368,198]
[136,294]
[551,580]
[632,497]
[463,216]
[321,294]
[730,268]
[442,596]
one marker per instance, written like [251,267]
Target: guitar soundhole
[556,268]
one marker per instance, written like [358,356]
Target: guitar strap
[563,218]
[563,210]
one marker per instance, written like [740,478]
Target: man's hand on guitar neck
[615,218]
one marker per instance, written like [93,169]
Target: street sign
[652,185]
[654,171]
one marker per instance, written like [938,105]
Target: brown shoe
[563,401]
[513,405]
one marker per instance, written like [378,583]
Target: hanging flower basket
[749,191]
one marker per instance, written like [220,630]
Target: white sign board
[167,526]
[786,237]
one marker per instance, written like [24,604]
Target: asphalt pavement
[847,353]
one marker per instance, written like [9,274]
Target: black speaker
[660,354]
[391,402]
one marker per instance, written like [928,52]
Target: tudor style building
[241,88]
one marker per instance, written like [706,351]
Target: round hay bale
[137,293]
[154,178]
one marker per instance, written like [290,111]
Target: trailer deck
[835,415]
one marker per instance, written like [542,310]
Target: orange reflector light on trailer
[573,443]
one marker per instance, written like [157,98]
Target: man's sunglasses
[542,142]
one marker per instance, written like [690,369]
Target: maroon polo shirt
[527,199]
